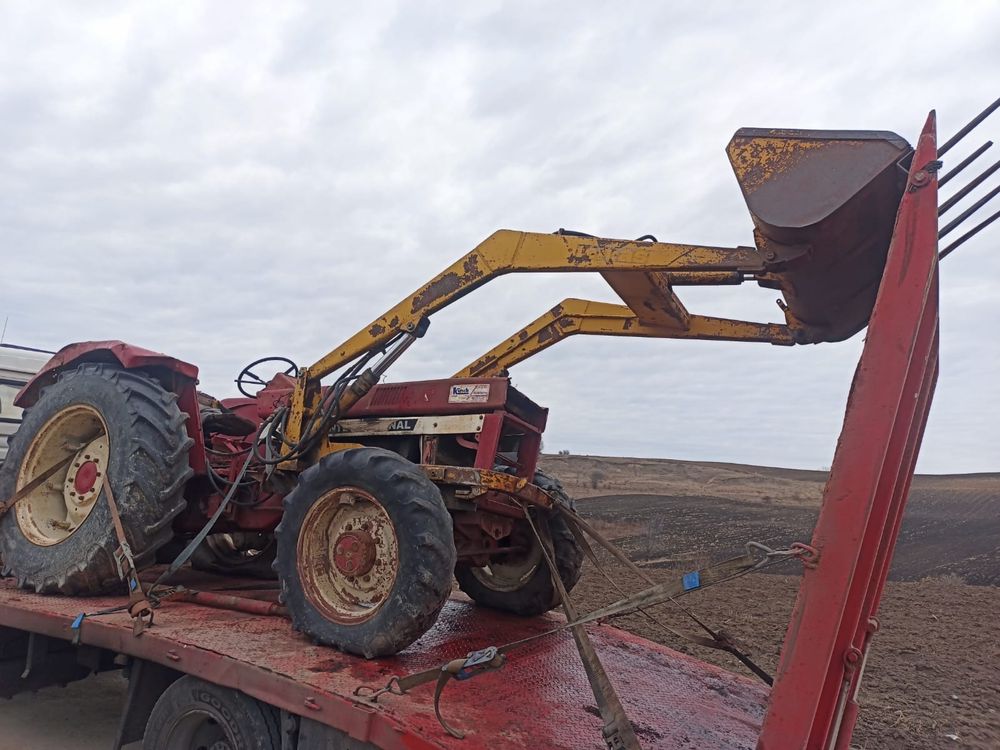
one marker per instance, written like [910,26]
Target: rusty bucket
[824,203]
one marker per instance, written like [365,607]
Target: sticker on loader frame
[474,393]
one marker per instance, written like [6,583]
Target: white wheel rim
[52,512]
[348,555]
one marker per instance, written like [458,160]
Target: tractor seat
[216,417]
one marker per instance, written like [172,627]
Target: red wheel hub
[86,478]
[354,553]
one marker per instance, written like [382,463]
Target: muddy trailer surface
[539,699]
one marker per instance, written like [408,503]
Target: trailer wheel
[193,714]
[519,582]
[111,421]
[236,554]
[365,552]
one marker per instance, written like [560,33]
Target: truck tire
[60,538]
[520,583]
[245,554]
[365,552]
[192,714]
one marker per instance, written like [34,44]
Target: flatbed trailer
[539,699]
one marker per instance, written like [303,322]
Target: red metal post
[812,704]
[489,441]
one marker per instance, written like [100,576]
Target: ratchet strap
[716,639]
[618,732]
[477,662]
[139,608]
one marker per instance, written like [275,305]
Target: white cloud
[222,181]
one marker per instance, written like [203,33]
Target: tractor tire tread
[427,555]
[250,723]
[149,477]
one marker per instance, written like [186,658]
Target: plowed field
[933,679]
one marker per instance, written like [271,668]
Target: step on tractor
[365,498]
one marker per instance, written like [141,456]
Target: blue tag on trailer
[78,621]
[691,580]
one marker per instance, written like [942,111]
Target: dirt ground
[933,679]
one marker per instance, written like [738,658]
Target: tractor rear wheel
[365,552]
[519,581]
[107,421]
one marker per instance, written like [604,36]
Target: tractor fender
[128,356]
[173,374]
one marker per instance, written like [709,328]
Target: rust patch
[394,323]
[448,284]
[377,329]
[546,334]
[758,160]
[522,335]
[471,266]
[605,243]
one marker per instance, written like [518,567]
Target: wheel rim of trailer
[199,729]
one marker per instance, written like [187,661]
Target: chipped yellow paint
[758,160]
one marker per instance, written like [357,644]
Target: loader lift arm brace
[584,317]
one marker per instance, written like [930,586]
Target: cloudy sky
[224,181]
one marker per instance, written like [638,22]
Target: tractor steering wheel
[249,378]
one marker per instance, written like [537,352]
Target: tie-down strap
[488,659]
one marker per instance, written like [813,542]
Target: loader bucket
[832,194]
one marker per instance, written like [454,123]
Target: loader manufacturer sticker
[476,393]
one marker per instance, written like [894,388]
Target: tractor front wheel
[518,581]
[365,552]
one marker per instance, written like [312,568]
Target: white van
[18,364]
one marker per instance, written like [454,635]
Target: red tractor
[364,542]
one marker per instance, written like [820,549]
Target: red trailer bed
[540,699]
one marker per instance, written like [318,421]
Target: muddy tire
[60,538]
[193,714]
[365,552]
[239,554]
[520,582]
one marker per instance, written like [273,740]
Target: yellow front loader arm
[641,273]
[822,202]
[577,316]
